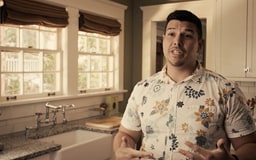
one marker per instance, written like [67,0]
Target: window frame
[23,50]
[108,54]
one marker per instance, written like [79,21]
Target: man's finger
[123,142]
[197,149]
[221,145]
[142,155]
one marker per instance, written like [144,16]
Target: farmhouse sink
[81,145]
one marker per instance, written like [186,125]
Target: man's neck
[178,74]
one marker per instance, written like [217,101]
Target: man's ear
[200,45]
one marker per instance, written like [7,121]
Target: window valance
[97,24]
[29,12]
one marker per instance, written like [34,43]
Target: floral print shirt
[202,108]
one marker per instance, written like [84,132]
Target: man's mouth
[176,51]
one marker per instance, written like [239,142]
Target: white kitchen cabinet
[251,39]
[236,57]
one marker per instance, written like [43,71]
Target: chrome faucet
[54,109]
[48,108]
[64,121]
[38,119]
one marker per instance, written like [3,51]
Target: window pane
[11,84]
[32,62]
[51,82]
[32,83]
[50,62]
[83,81]
[48,28]
[83,63]
[111,63]
[91,45]
[82,43]
[96,63]
[11,62]
[104,81]
[104,46]
[29,26]
[110,79]
[29,38]
[9,37]
[104,63]
[48,40]
[95,80]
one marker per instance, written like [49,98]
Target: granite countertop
[18,147]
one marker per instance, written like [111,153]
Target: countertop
[18,147]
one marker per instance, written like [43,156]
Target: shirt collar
[196,75]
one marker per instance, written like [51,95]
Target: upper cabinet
[251,39]
[236,40]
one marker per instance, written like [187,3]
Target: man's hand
[199,153]
[127,153]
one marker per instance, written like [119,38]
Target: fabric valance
[97,24]
[29,12]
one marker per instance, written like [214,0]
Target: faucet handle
[27,131]
[38,114]
[68,106]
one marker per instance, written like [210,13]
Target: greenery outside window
[95,62]
[30,61]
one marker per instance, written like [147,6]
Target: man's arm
[245,147]
[132,137]
[125,145]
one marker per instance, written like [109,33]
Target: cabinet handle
[246,69]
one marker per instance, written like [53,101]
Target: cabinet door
[233,27]
[251,41]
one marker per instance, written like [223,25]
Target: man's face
[180,43]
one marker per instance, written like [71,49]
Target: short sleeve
[131,119]
[239,121]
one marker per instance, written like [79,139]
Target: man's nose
[177,40]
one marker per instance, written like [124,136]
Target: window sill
[61,97]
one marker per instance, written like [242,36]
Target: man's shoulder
[214,74]
[155,78]
[209,74]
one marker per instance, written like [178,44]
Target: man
[185,111]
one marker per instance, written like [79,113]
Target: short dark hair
[184,15]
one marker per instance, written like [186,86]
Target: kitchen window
[95,62]
[30,61]
[58,58]
[97,57]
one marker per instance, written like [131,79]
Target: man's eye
[171,34]
[188,36]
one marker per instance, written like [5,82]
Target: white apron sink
[81,145]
